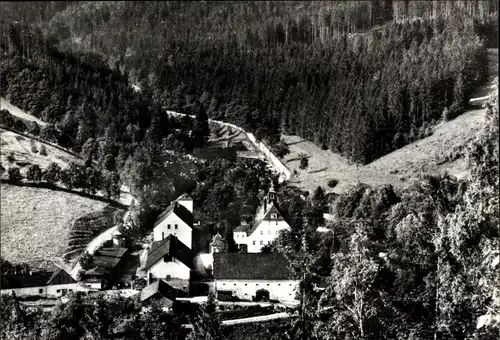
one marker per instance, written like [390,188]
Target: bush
[34,129]
[86,260]
[11,157]
[333,183]
[53,173]
[34,173]
[15,175]
[43,150]
[304,163]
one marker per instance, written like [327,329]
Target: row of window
[175,226]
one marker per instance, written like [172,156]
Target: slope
[435,154]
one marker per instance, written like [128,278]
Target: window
[58,291]
[279,284]
[223,284]
[176,226]
[276,222]
[235,284]
[162,235]
[168,226]
[262,232]
[268,284]
[253,242]
[256,284]
[261,242]
[246,284]
[269,232]
[40,291]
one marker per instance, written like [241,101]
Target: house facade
[169,259]
[243,274]
[176,220]
[267,226]
[59,284]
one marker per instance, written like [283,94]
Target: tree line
[355,77]
[416,263]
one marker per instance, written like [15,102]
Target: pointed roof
[169,246]
[178,209]
[60,276]
[217,240]
[272,208]
[184,197]
[160,287]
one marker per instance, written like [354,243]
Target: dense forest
[354,76]
[419,263]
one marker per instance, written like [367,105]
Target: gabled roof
[60,276]
[217,240]
[267,217]
[179,210]
[161,288]
[251,266]
[25,281]
[108,257]
[184,197]
[169,246]
[97,271]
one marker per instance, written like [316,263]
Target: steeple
[271,195]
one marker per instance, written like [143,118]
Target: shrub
[304,163]
[11,157]
[15,175]
[333,183]
[52,174]
[43,150]
[86,260]
[34,129]
[34,173]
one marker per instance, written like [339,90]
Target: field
[21,147]
[35,223]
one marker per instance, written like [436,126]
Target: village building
[43,285]
[242,275]
[160,293]
[106,265]
[269,221]
[177,220]
[170,260]
[217,245]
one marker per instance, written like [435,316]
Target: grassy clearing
[36,223]
[399,168]
[24,155]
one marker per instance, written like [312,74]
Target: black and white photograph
[249,170]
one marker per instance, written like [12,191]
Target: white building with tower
[266,227]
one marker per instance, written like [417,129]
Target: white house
[59,284]
[169,259]
[268,223]
[243,274]
[176,220]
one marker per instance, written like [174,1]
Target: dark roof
[112,252]
[179,210]
[25,281]
[59,277]
[251,266]
[242,228]
[172,246]
[159,288]
[97,271]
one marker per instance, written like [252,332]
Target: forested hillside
[355,77]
